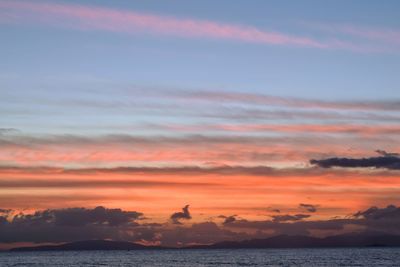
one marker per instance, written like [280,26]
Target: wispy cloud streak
[289,128]
[201,149]
[113,20]
[92,183]
[261,99]
[384,35]
[225,170]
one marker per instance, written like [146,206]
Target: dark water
[193,258]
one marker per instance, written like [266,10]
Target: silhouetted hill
[285,241]
[364,239]
[89,245]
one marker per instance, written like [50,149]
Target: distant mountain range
[89,245]
[286,241]
[281,241]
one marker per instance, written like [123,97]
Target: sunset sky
[264,117]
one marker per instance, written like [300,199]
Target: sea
[208,257]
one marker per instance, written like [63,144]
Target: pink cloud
[113,20]
[385,35]
[261,99]
[388,37]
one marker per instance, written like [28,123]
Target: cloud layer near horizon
[72,224]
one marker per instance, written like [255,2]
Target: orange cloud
[212,191]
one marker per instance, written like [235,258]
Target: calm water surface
[193,258]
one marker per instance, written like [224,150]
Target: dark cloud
[381,219]
[274,210]
[308,207]
[389,161]
[374,213]
[229,219]
[70,224]
[387,154]
[287,217]
[5,211]
[79,217]
[184,214]
[290,227]
[73,224]
[374,219]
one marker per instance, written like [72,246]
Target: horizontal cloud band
[113,20]
[387,162]
[72,224]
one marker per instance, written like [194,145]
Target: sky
[192,122]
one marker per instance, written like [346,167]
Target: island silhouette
[363,239]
